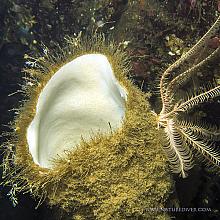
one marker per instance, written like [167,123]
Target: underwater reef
[153,34]
[106,176]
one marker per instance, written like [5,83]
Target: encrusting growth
[182,130]
[81,99]
[121,173]
[115,175]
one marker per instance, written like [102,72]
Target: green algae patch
[113,176]
[122,175]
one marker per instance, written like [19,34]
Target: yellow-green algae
[117,176]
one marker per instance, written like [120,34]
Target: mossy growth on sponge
[113,176]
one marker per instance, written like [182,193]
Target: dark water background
[24,24]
